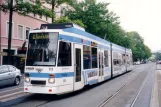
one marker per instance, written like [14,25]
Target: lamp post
[10,31]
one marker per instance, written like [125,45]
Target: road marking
[10,90]
[132,105]
[14,97]
[8,95]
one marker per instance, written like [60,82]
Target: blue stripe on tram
[56,75]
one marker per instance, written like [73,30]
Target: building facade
[20,29]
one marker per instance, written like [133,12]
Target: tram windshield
[42,49]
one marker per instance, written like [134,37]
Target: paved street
[159,84]
[132,89]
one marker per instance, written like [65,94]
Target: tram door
[101,65]
[78,81]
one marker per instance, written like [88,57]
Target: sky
[143,16]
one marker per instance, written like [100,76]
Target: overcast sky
[143,16]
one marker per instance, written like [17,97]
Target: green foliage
[59,2]
[157,55]
[103,23]
[25,8]
[67,20]
[79,22]
[139,49]
[63,20]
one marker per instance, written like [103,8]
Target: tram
[62,58]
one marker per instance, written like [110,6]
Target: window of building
[63,11]
[20,31]
[5,58]
[27,32]
[46,18]
[94,57]
[86,57]
[64,54]
[40,16]
[106,58]
[8,29]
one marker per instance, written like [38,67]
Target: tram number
[50,69]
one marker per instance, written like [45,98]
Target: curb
[154,102]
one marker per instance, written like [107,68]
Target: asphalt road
[132,89]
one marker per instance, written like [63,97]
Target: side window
[11,68]
[115,61]
[4,69]
[106,58]
[94,57]
[123,58]
[86,57]
[64,58]
[1,70]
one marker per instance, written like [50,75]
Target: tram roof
[73,28]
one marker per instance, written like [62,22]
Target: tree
[99,21]
[139,49]
[67,20]
[25,8]
[89,13]
[147,52]
[56,3]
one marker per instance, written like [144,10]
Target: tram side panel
[128,60]
[107,64]
[123,57]
[116,63]
[118,60]
[101,71]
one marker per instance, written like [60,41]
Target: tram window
[64,58]
[86,57]
[120,63]
[123,58]
[114,61]
[106,58]
[94,57]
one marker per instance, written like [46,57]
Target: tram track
[105,103]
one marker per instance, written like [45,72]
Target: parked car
[9,75]
[138,63]
[158,62]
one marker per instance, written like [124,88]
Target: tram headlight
[51,80]
[27,79]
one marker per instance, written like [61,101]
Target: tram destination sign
[37,36]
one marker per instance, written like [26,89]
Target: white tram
[63,58]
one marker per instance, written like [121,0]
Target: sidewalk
[156,93]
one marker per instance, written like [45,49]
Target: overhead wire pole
[53,5]
[10,31]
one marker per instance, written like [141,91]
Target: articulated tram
[63,58]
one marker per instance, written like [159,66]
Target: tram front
[41,72]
